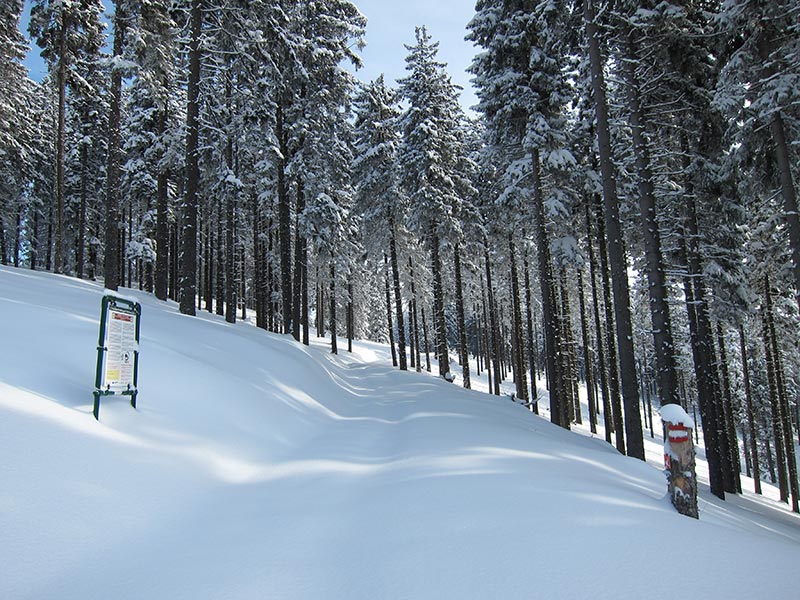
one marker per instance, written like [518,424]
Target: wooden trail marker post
[117,350]
[679,459]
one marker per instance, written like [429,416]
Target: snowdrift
[255,467]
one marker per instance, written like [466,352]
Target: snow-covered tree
[153,41]
[63,30]
[429,163]
[15,123]
[523,93]
[378,195]
[759,84]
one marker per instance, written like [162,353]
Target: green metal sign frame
[125,315]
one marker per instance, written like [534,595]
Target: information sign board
[117,350]
[120,345]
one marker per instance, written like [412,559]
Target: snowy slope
[257,468]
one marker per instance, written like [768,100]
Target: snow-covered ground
[255,467]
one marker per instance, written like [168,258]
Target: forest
[619,212]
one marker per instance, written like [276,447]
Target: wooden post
[679,459]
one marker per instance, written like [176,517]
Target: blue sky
[390,25]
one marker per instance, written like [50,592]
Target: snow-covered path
[255,467]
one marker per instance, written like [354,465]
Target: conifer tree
[428,158]
[523,96]
[615,241]
[759,81]
[16,121]
[631,38]
[188,235]
[154,46]
[62,30]
[378,195]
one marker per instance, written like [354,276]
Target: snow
[674,413]
[256,467]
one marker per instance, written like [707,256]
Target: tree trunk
[410,316]
[3,247]
[777,424]
[705,385]
[284,216]
[241,277]
[208,260]
[547,283]
[34,240]
[332,318]
[427,345]
[501,339]
[172,275]
[389,310]
[601,355]
[493,341]
[188,278]
[727,406]
[398,300]
[415,324]
[587,361]
[616,248]
[701,337]
[80,242]
[770,460]
[534,397]
[258,264]
[439,325]
[48,255]
[462,325]
[270,296]
[487,337]
[657,289]
[304,292]
[782,401]
[747,460]
[222,274]
[572,405]
[520,377]
[478,333]
[611,341]
[299,250]
[60,191]
[750,412]
[350,325]
[162,227]
[128,262]
[18,236]
[320,307]
[230,215]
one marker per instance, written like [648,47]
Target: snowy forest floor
[256,467]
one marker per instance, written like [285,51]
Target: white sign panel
[120,346]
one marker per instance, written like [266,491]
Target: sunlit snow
[255,467]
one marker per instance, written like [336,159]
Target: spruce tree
[614,240]
[61,30]
[378,195]
[429,162]
[523,96]
[187,287]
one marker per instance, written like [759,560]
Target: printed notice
[120,349]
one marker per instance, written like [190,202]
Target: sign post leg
[96,410]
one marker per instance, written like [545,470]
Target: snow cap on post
[674,413]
